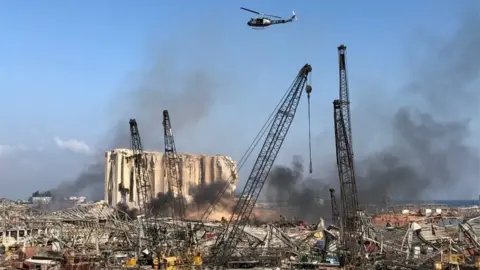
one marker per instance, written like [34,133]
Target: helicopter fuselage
[264,22]
[259,22]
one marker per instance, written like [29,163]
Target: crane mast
[348,189]
[226,242]
[143,183]
[346,172]
[335,213]
[343,91]
[172,161]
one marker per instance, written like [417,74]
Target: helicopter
[266,20]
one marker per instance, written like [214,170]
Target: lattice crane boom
[335,213]
[344,92]
[226,242]
[348,188]
[144,189]
[172,162]
[346,172]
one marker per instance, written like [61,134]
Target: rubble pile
[99,235]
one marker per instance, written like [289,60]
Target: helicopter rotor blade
[252,11]
[259,13]
[273,16]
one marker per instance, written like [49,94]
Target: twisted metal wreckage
[99,233]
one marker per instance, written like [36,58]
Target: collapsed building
[195,170]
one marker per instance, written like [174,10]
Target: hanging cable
[245,156]
[309,90]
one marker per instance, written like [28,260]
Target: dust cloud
[202,198]
[162,204]
[206,195]
[54,205]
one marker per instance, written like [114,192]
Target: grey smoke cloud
[203,196]
[431,153]
[90,181]
[298,194]
[182,77]
[206,195]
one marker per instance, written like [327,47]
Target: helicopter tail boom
[291,19]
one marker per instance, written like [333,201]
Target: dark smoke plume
[128,213]
[91,179]
[430,153]
[202,197]
[187,91]
[206,195]
[162,204]
[298,196]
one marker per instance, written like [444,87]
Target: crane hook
[308,89]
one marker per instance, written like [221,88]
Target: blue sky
[66,67]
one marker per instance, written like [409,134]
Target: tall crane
[335,213]
[343,91]
[172,161]
[226,242]
[346,172]
[348,188]
[175,186]
[143,183]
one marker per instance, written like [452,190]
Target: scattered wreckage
[100,235]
